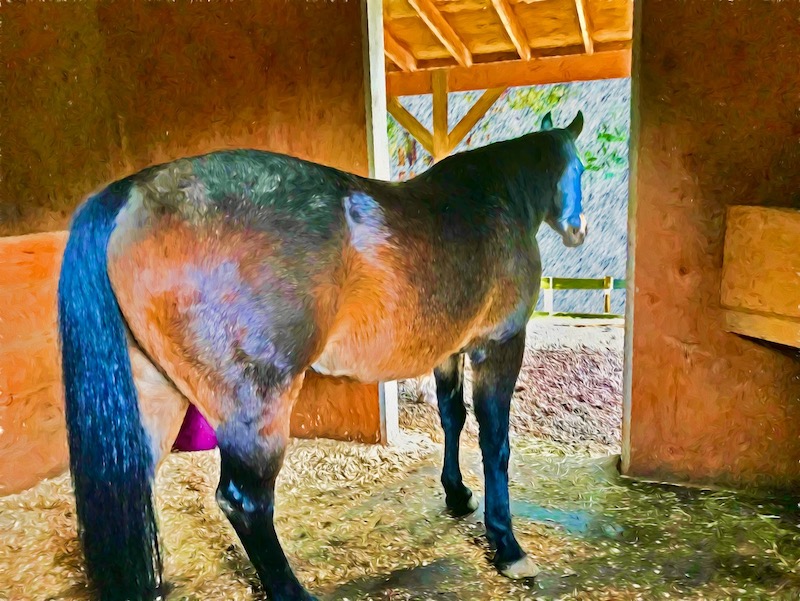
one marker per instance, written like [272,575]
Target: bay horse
[218,280]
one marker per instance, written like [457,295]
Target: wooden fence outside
[606,284]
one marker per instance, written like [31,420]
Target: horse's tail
[110,457]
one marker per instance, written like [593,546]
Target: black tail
[110,458]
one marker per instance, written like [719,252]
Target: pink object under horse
[196,433]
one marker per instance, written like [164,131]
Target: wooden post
[548,296]
[608,286]
[379,167]
[440,126]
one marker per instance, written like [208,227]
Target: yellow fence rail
[607,285]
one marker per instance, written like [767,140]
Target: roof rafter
[583,18]
[513,28]
[442,30]
[398,53]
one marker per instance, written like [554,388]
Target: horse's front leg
[452,412]
[495,371]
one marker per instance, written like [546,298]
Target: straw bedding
[346,513]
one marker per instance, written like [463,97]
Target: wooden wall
[716,122]
[95,90]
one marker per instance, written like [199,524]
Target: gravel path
[569,391]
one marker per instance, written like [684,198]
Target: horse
[219,280]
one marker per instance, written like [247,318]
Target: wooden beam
[513,28]
[442,30]
[472,117]
[773,328]
[557,69]
[397,53]
[407,120]
[583,18]
[440,126]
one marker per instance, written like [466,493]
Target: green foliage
[393,128]
[539,100]
[608,153]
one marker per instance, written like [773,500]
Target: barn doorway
[445,97]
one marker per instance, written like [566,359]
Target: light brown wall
[716,121]
[95,90]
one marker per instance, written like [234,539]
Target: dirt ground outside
[569,391]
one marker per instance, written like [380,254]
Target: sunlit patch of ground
[365,523]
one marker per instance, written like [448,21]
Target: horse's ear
[576,127]
[547,121]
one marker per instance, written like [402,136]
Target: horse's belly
[383,355]
[386,349]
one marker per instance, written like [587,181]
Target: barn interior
[681,484]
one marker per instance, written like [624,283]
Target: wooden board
[704,405]
[771,327]
[119,86]
[761,274]
[761,264]
[603,64]
[33,442]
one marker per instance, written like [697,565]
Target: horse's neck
[492,186]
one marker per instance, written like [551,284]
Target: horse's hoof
[462,508]
[524,567]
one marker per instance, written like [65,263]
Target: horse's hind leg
[495,371]
[252,441]
[453,414]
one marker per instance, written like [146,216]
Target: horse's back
[262,258]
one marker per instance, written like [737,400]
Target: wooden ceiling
[501,43]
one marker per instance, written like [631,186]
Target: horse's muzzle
[573,236]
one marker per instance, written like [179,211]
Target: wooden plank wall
[706,405]
[95,90]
